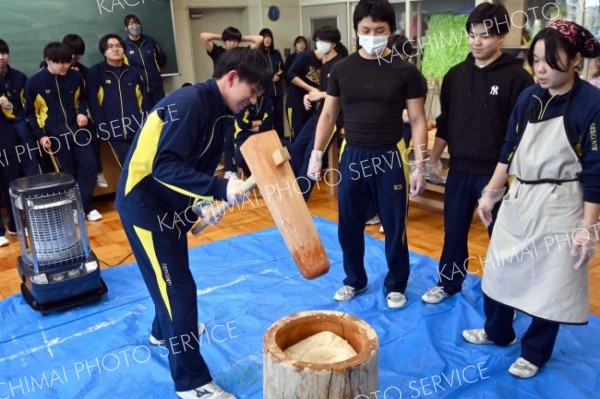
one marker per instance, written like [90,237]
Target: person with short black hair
[168,170]
[372,94]
[144,52]
[77,46]
[56,109]
[12,101]
[477,97]
[549,216]
[231,37]
[331,50]
[117,97]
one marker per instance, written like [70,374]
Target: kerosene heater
[57,266]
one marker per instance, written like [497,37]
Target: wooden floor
[425,236]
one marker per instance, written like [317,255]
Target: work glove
[486,204]
[235,195]
[585,238]
[314,165]
[417,179]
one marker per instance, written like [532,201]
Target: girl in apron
[547,226]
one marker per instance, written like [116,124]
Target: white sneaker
[374,220]
[101,180]
[206,391]
[161,342]
[4,241]
[479,337]
[347,293]
[522,368]
[93,216]
[396,300]
[381,229]
[435,295]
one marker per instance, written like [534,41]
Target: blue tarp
[247,283]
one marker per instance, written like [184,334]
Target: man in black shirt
[372,87]
[477,98]
[231,37]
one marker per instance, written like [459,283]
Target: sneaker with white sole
[93,216]
[101,180]
[395,300]
[435,295]
[479,337]
[523,368]
[374,220]
[206,391]
[161,342]
[347,293]
[4,241]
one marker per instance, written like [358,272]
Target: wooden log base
[285,377]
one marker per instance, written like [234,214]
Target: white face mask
[323,47]
[373,45]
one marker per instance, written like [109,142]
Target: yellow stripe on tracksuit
[145,151]
[145,237]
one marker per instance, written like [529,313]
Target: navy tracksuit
[147,56]
[386,184]
[12,85]
[52,103]
[170,167]
[9,167]
[118,103]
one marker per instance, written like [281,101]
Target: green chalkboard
[28,25]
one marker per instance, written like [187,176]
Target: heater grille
[53,230]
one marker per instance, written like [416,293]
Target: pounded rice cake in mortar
[323,347]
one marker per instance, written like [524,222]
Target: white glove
[209,214]
[417,179]
[5,103]
[486,204]
[314,165]
[434,171]
[235,194]
[585,238]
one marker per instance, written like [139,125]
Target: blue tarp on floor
[244,285]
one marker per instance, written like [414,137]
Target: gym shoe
[4,241]
[93,216]
[374,220]
[101,180]
[522,368]
[479,337]
[206,391]
[396,300]
[381,229]
[161,342]
[347,293]
[435,295]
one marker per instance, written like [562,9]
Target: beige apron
[528,264]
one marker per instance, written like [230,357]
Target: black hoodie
[476,106]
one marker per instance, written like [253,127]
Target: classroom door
[213,20]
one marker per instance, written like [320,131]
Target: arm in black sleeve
[442,120]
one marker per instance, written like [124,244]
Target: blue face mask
[135,30]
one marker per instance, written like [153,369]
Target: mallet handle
[200,225]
